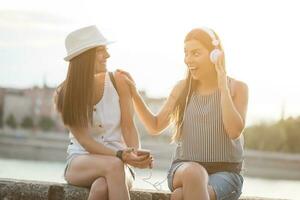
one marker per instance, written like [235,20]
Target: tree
[280,136]
[46,123]
[11,121]
[27,122]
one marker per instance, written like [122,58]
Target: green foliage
[27,122]
[281,136]
[46,123]
[11,121]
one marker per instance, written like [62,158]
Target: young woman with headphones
[209,110]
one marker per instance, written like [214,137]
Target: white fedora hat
[82,40]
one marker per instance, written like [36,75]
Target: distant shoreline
[52,147]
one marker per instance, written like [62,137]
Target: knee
[115,166]
[194,171]
[99,189]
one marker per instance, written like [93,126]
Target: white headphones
[216,52]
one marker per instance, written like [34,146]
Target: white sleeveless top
[106,128]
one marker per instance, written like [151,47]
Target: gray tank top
[204,138]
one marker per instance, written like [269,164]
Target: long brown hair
[74,97]
[181,103]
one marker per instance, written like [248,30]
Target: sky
[260,40]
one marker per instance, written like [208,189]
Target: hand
[221,73]
[145,152]
[129,81]
[143,161]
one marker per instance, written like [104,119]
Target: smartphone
[141,152]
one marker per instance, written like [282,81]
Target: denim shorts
[227,185]
[68,162]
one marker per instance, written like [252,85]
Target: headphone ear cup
[214,55]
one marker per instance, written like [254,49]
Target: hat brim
[87,47]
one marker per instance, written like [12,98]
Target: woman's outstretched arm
[154,123]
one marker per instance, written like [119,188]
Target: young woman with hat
[96,107]
[209,110]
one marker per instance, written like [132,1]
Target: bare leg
[85,169]
[193,179]
[177,194]
[99,190]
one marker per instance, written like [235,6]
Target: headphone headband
[215,42]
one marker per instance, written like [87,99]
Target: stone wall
[11,189]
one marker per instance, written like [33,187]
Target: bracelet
[119,154]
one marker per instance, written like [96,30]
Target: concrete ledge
[11,189]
